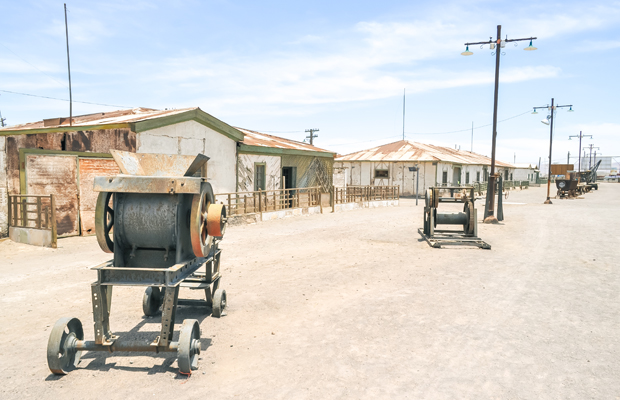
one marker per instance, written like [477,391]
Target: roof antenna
[69,69]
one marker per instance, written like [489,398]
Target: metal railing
[357,194]
[21,208]
[269,200]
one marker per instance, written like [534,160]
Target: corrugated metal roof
[404,150]
[253,138]
[113,117]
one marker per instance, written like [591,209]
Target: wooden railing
[269,200]
[22,207]
[357,194]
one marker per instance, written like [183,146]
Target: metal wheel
[468,227]
[189,346]
[151,301]
[104,221]
[216,220]
[201,240]
[219,303]
[61,354]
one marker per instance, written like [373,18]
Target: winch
[160,221]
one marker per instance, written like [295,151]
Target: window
[259,176]
[382,173]
[466,177]
[478,176]
[510,176]
[444,177]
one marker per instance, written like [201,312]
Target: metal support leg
[169,310]
[102,301]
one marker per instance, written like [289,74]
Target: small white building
[393,165]
[525,172]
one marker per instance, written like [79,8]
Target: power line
[468,129]
[55,98]
[33,66]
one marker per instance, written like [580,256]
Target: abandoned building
[55,157]
[393,164]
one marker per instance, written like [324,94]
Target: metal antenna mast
[69,69]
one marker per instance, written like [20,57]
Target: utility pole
[69,69]
[312,135]
[568,158]
[580,136]
[2,120]
[515,159]
[403,114]
[549,121]
[472,136]
[591,146]
[496,45]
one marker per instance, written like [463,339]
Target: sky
[282,67]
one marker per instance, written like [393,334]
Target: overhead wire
[56,98]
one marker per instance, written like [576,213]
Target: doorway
[289,181]
[456,176]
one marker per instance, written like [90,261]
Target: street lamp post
[580,136]
[549,121]
[498,44]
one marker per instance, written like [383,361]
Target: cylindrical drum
[147,220]
[451,219]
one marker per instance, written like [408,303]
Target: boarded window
[382,173]
[466,177]
[56,175]
[444,177]
[259,176]
[478,176]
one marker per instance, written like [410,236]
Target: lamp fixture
[546,120]
[530,47]
[571,109]
[467,52]
[534,112]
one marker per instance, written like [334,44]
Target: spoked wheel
[62,357]
[201,241]
[189,346]
[104,221]
[151,301]
[219,303]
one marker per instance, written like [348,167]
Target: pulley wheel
[104,221]
[151,301]
[189,346]
[199,232]
[216,220]
[219,303]
[61,354]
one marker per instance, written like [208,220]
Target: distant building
[390,165]
[51,157]
[525,172]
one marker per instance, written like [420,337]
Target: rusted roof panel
[113,117]
[404,150]
[253,138]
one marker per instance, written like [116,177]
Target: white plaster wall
[4,219]
[192,138]
[273,171]
[366,171]
[521,174]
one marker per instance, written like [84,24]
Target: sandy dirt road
[351,305]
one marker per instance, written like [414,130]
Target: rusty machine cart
[162,225]
[467,219]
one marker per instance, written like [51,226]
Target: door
[57,175]
[89,169]
[456,176]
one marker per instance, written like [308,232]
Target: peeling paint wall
[311,171]
[273,172]
[192,138]
[96,141]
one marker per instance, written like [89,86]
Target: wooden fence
[269,200]
[357,194]
[21,208]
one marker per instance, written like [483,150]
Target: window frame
[264,176]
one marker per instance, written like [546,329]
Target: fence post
[10,214]
[260,200]
[24,211]
[53,218]
[229,208]
[38,213]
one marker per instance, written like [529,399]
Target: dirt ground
[351,305]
